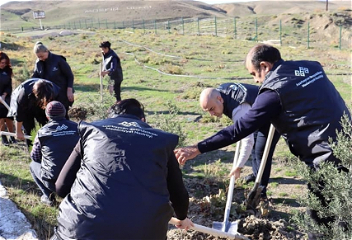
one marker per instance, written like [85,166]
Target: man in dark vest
[52,147]
[234,100]
[124,175]
[299,100]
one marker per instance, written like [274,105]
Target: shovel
[226,226]
[254,195]
[213,232]
[13,134]
[4,103]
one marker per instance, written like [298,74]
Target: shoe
[264,207]
[249,178]
[13,140]
[4,140]
[45,200]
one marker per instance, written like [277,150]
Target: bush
[337,189]
[170,123]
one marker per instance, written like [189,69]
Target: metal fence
[295,35]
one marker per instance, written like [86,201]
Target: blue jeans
[35,169]
[260,138]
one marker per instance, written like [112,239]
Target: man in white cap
[52,147]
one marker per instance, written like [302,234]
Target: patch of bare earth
[208,199]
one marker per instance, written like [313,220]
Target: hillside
[20,14]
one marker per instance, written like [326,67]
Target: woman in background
[5,93]
[54,68]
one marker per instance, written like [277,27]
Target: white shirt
[247,143]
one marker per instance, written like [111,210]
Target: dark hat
[105,44]
[55,110]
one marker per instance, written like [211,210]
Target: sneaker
[45,199]
[264,207]
[249,178]
[4,140]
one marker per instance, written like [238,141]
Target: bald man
[235,100]
[303,105]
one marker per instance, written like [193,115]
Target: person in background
[120,179]
[112,68]
[28,102]
[234,100]
[5,93]
[54,68]
[52,146]
[303,105]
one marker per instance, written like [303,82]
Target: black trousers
[117,89]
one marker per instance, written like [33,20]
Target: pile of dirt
[207,204]
[80,113]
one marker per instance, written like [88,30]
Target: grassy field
[165,71]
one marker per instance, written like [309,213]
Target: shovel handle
[13,134]
[211,231]
[4,103]
[265,154]
[231,185]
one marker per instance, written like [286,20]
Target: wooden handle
[13,134]
[4,103]
[211,231]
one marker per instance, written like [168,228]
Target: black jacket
[121,188]
[5,86]
[311,109]
[57,140]
[23,104]
[55,69]
[235,94]
[115,71]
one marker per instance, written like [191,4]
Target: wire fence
[296,33]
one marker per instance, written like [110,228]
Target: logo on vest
[302,71]
[62,127]
[120,160]
[55,69]
[130,124]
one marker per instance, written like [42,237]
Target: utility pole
[327,5]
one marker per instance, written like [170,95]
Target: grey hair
[39,47]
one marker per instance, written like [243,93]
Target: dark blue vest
[121,188]
[57,139]
[235,94]
[311,109]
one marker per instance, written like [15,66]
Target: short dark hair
[128,106]
[43,92]
[264,52]
[105,44]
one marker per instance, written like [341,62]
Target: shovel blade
[229,227]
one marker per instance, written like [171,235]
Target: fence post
[308,36]
[22,29]
[98,23]
[106,23]
[168,26]
[143,26]
[340,37]
[183,26]
[198,26]
[280,33]
[114,24]
[133,24]
[154,26]
[216,27]
[234,27]
[256,29]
